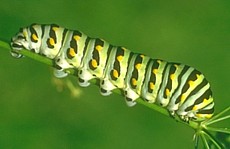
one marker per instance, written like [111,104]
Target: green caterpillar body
[181,89]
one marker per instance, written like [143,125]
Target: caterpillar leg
[83,77]
[59,73]
[83,83]
[130,97]
[105,92]
[106,87]
[129,102]
[61,64]
[15,54]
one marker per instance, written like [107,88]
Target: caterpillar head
[18,42]
[26,38]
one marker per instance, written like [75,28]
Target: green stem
[210,137]
[47,61]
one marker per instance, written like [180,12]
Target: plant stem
[47,61]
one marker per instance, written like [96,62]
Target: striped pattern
[181,89]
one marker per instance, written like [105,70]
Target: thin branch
[222,130]
[212,139]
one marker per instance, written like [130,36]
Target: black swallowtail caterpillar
[182,89]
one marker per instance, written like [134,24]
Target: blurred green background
[33,114]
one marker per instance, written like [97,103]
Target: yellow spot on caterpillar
[119,58]
[138,66]
[99,48]
[191,83]
[134,81]
[172,76]
[182,98]
[208,115]
[72,52]
[35,37]
[205,101]
[94,63]
[76,37]
[195,107]
[198,76]
[55,28]
[204,115]
[51,41]
[167,92]
[155,71]
[199,115]
[115,73]
[151,85]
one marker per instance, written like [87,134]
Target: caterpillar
[181,89]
